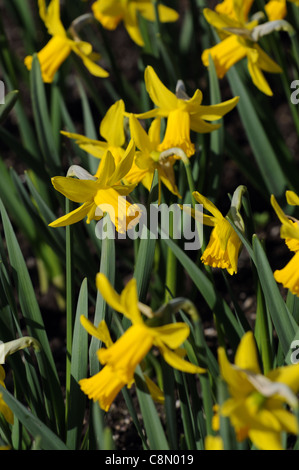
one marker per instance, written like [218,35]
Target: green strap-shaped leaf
[39,431]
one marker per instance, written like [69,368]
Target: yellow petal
[266,440]
[112,125]
[51,17]
[166,14]
[246,355]
[214,443]
[288,375]
[124,166]
[156,393]
[106,169]
[74,189]
[289,275]
[237,381]
[129,299]
[173,335]
[100,332]
[108,293]
[90,64]
[160,95]
[208,205]
[276,9]
[219,20]
[292,198]
[257,75]
[74,216]
[139,135]
[176,361]
[214,112]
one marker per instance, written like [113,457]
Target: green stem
[69,305]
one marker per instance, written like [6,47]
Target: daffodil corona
[235,31]
[121,358]
[61,45]
[256,407]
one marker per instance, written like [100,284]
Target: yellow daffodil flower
[231,22]
[111,12]
[148,157]
[277,9]
[60,46]
[111,129]
[182,112]
[121,358]
[99,194]
[256,406]
[224,245]
[213,443]
[4,409]
[289,275]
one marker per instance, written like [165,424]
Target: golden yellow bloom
[99,195]
[277,9]
[183,113]
[121,358]
[289,275]
[60,46]
[111,129]
[256,407]
[148,157]
[237,42]
[4,409]
[111,12]
[224,245]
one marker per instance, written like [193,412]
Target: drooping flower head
[256,407]
[224,245]
[111,12]
[237,42]
[99,195]
[60,46]
[121,358]
[289,275]
[182,112]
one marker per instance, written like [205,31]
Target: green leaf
[42,119]
[79,367]
[10,101]
[39,431]
[34,322]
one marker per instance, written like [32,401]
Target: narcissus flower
[256,407]
[111,129]
[111,12]
[4,409]
[183,113]
[277,9]
[121,358]
[237,42]
[60,46]
[289,275]
[148,157]
[224,245]
[99,195]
